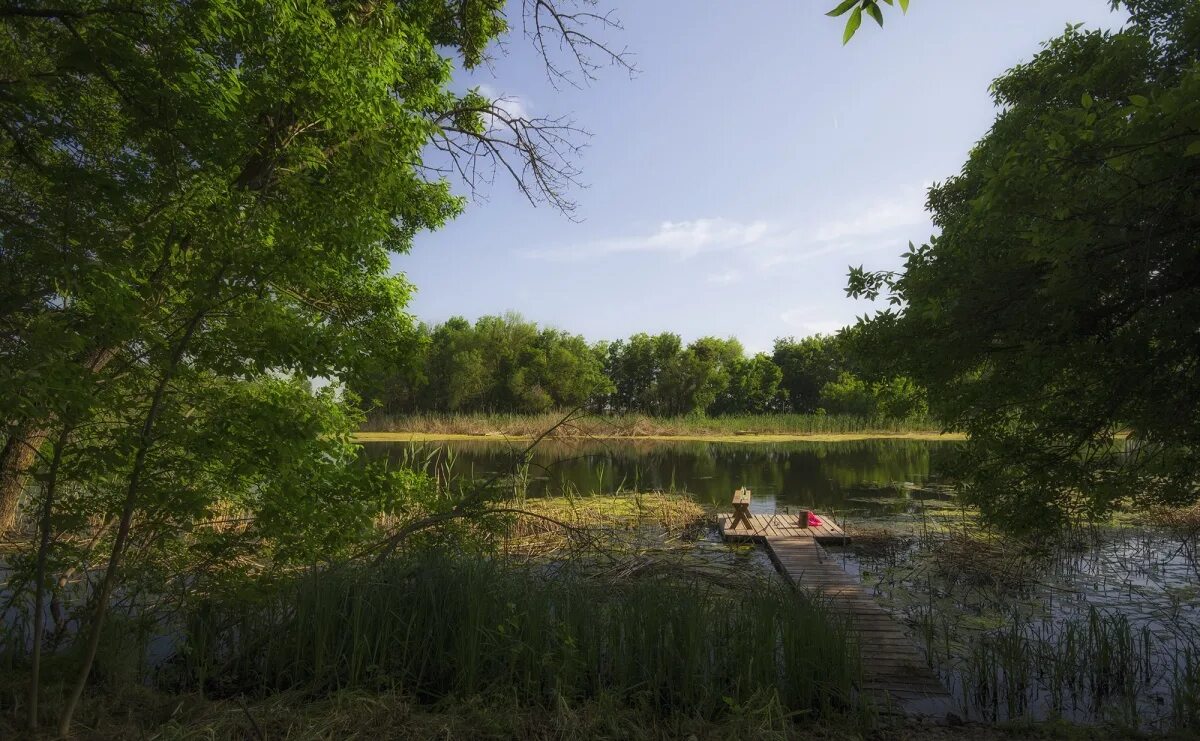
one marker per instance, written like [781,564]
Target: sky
[732,181]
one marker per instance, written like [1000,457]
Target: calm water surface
[830,477]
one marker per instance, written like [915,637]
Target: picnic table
[741,507]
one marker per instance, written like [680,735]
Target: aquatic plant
[448,626]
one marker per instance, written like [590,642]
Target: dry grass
[672,512]
[750,428]
[614,525]
[1184,521]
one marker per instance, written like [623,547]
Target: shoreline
[813,437]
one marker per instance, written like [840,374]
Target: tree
[501,364]
[197,208]
[1060,305]
[807,366]
[754,388]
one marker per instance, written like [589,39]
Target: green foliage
[1059,304]
[198,207]
[856,8]
[448,626]
[507,364]
[807,366]
[848,394]
[896,398]
[500,363]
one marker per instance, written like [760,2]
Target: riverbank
[745,429]
[420,437]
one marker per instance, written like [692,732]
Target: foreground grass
[449,626]
[445,645]
[391,715]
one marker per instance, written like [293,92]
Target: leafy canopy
[1060,304]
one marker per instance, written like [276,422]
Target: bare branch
[573,31]
[539,154]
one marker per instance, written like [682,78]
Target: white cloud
[513,105]
[681,238]
[725,277]
[765,244]
[808,321]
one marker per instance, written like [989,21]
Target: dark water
[1132,575]
[831,477]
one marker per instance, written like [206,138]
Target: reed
[636,425]
[447,626]
[1099,666]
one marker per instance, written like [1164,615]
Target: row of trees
[508,364]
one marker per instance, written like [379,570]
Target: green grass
[458,627]
[633,425]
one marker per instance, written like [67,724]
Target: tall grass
[634,425]
[1065,628]
[1099,666]
[458,627]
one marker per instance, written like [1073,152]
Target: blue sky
[734,179]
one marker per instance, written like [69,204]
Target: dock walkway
[894,669]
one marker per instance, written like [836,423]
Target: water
[829,477]
[961,603]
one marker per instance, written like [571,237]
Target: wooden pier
[894,669]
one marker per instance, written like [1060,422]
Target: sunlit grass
[746,428]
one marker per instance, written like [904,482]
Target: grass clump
[454,627]
[671,512]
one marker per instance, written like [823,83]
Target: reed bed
[453,627]
[1076,628]
[636,425]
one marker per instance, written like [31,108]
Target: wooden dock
[894,669]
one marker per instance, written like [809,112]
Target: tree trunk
[39,601]
[19,455]
[16,462]
[104,592]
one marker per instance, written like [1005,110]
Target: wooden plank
[894,669]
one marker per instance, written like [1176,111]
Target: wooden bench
[741,508]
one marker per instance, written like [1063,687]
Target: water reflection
[842,476]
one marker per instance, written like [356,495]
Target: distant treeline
[508,364]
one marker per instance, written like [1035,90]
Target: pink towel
[813,520]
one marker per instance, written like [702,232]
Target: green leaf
[839,10]
[1193,149]
[852,25]
[874,11]
[903,6]
[1086,100]
[1141,101]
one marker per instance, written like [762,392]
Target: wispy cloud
[808,320]
[724,277]
[681,238]
[763,244]
[514,106]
